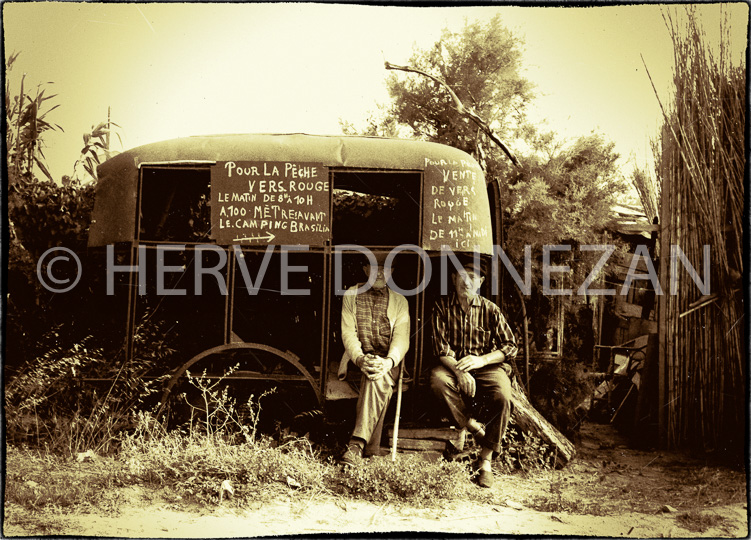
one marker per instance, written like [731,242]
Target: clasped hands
[374,367]
[462,368]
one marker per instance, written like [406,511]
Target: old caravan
[235,243]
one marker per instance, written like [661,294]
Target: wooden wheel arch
[285,355]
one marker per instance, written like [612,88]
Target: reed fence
[701,171]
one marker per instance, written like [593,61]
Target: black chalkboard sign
[455,207]
[270,202]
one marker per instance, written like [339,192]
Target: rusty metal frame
[285,355]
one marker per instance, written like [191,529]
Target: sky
[175,70]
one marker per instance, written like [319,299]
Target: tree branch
[461,109]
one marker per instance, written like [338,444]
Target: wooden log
[526,417]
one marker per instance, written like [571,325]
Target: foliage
[194,466]
[560,194]
[482,64]
[26,125]
[196,460]
[43,215]
[37,480]
[578,329]
[525,451]
[48,404]
[96,142]
[409,478]
[362,204]
[191,222]
[362,216]
[559,387]
[215,411]
[41,387]
[563,197]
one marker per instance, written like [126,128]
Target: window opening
[376,208]
[174,204]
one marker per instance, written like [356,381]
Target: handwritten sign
[456,212]
[262,202]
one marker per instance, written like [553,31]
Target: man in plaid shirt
[375,333]
[472,340]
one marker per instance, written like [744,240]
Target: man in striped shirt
[472,340]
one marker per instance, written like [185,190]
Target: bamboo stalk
[701,157]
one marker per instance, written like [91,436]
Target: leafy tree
[563,194]
[559,193]
[482,65]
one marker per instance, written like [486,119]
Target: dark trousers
[493,393]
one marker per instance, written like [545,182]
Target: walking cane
[398,411]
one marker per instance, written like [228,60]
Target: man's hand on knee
[466,383]
[374,367]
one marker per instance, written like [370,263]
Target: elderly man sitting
[473,342]
[375,332]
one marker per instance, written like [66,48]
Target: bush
[524,451]
[558,388]
[43,215]
[49,404]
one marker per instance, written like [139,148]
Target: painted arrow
[268,237]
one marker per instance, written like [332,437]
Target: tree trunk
[526,417]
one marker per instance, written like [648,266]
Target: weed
[35,480]
[698,522]
[195,465]
[524,451]
[215,412]
[39,404]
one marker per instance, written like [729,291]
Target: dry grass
[700,522]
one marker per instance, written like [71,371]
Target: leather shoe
[351,456]
[485,478]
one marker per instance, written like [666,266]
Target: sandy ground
[624,493]
[328,516]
